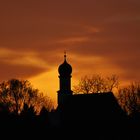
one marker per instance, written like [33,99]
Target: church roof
[97,106]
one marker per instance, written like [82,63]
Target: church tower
[65,71]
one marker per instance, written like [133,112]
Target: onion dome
[65,68]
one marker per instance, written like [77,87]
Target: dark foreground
[98,130]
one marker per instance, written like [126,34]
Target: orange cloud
[74,40]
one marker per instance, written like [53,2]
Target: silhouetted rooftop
[98,106]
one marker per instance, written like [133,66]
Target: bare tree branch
[96,84]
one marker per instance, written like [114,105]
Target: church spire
[65,71]
[65,55]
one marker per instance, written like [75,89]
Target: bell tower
[65,71]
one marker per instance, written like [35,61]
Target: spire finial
[65,55]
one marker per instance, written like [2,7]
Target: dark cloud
[9,71]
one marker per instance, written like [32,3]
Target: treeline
[23,107]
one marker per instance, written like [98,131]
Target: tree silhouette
[27,111]
[96,84]
[44,117]
[4,110]
[16,93]
[129,98]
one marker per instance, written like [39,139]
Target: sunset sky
[100,37]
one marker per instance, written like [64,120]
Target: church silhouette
[84,109]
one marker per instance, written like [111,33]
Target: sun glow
[48,83]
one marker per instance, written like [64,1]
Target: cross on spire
[65,55]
